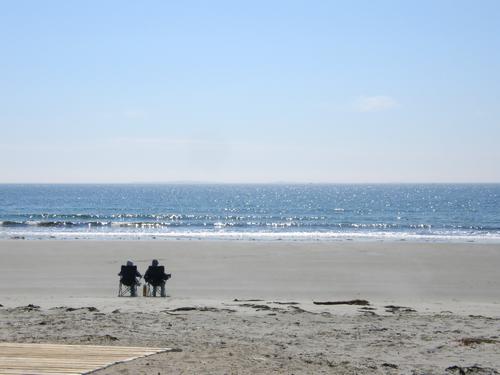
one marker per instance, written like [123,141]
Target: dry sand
[450,322]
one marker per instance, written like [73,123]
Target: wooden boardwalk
[52,359]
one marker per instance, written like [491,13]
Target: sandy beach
[251,307]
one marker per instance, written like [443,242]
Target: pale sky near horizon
[261,91]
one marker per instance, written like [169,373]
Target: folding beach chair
[128,282]
[156,278]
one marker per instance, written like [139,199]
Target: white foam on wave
[252,236]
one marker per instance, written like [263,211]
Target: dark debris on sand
[359,302]
[472,341]
[285,303]
[70,309]
[389,365]
[257,306]
[29,307]
[471,370]
[90,309]
[399,309]
[209,309]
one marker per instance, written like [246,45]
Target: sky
[257,91]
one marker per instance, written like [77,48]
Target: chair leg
[125,290]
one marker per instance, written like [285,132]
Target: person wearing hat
[130,279]
[156,277]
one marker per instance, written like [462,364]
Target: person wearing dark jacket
[130,279]
[156,276]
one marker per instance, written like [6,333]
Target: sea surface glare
[428,212]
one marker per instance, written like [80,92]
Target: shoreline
[253,237]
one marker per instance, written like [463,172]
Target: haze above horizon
[360,92]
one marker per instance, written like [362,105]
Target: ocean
[324,212]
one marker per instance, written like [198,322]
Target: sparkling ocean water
[428,212]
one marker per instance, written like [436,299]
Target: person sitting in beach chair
[156,277]
[128,280]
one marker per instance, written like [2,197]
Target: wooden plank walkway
[54,359]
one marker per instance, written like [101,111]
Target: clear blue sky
[258,91]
